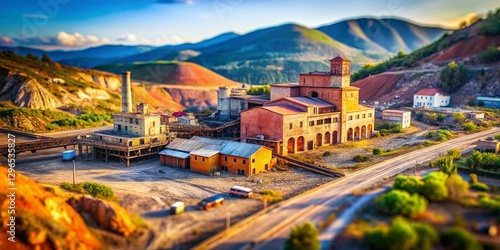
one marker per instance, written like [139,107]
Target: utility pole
[74,173]
[265,204]
[228,221]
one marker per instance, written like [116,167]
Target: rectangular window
[328,120]
[335,119]
[319,122]
[154,124]
[253,160]
[369,114]
[357,116]
[131,120]
[301,124]
[136,121]
[126,128]
[311,123]
[290,126]
[350,118]
[234,159]
[195,158]
[244,162]
[225,158]
[203,159]
[364,115]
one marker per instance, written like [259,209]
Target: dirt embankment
[467,48]
[376,86]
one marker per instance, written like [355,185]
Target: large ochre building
[321,109]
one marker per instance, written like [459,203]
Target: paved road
[270,230]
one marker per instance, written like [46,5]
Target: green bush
[377,151]
[98,190]
[479,186]
[260,90]
[402,235]
[401,202]
[52,126]
[458,117]
[490,204]
[455,153]
[77,188]
[438,175]
[427,236]
[303,236]
[473,178]
[410,184]
[376,134]
[360,158]
[376,238]
[271,195]
[457,187]
[327,153]
[486,160]
[434,190]
[469,126]
[446,165]
[457,238]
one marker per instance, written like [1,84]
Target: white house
[401,117]
[432,98]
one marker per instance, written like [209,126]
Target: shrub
[377,151]
[49,189]
[473,178]
[98,190]
[271,195]
[376,238]
[446,165]
[469,126]
[303,236]
[376,134]
[455,153]
[479,186]
[410,184]
[458,117]
[327,153]
[402,234]
[490,204]
[457,238]
[488,161]
[434,190]
[360,158]
[438,175]
[457,187]
[427,236]
[401,202]
[52,126]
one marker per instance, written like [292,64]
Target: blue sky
[71,24]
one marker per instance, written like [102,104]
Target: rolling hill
[475,46]
[165,72]
[39,95]
[382,35]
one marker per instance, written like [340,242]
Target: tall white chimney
[126,92]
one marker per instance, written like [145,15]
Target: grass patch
[354,144]
[94,189]
[138,221]
[271,195]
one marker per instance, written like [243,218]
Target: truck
[69,155]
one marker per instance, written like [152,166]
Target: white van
[240,192]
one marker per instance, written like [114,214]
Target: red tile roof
[430,92]
[339,58]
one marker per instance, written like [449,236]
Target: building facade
[401,117]
[205,155]
[430,98]
[321,109]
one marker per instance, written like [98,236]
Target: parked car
[211,202]
[241,192]
[177,208]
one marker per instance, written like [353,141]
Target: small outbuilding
[488,145]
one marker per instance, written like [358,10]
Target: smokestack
[126,92]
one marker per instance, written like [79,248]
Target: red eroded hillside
[196,75]
[375,86]
[467,47]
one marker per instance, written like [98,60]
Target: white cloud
[6,41]
[129,38]
[77,40]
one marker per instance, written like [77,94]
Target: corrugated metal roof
[185,144]
[207,147]
[174,153]
[491,99]
[204,152]
[239,149]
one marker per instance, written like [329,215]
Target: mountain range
[269,55]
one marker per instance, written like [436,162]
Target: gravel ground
[143,190]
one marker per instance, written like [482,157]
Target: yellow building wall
[262,158]
[234,163]
[202,164]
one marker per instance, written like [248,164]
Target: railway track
[310,167]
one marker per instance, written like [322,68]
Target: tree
[435,190]
[475,159]
[303,237]
[455,153]
[452,77]
[457,187]
[401,202]
[446,165]
[438,175]
[401,53]
[46,58]
[473,178]
[469,126]
[457,238]
[427,235]
[410,184]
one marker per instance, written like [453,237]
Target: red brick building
[321,109]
